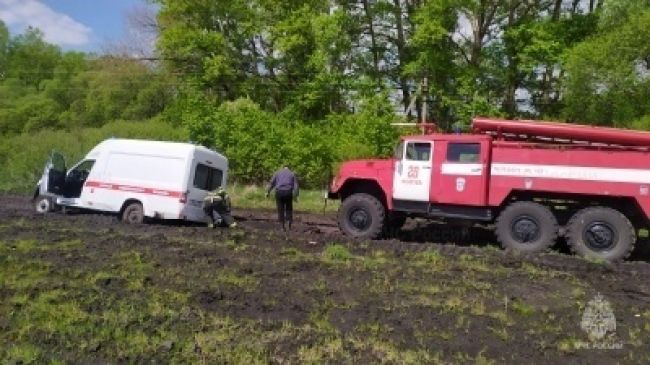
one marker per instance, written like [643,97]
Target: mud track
[432,294]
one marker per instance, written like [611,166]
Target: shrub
[258,142]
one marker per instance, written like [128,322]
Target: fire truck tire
[602,233]
[133,213]
[526,227]
[362,216]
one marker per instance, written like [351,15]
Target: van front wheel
[44,204]
[133,213]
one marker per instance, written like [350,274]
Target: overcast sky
[84,25]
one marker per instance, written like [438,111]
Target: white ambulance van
[135,179]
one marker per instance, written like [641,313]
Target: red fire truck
[534,180]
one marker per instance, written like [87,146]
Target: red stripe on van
[133,189]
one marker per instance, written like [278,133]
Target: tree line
[578,60]
[317,82]
[43,87]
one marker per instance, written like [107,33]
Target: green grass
[430,259]
[246,282]
[337,253]
[253,197]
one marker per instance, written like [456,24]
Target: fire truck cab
[437,172]
[535,181]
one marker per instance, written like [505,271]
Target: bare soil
[179,292]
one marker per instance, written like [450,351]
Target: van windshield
[85,167]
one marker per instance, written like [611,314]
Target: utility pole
[425,96]
[411,106]
[422,93]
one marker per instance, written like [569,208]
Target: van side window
[418,151]
[463,152]
[207,178]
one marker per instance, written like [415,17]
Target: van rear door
[53,179]
[205,178]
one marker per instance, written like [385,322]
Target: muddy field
[86,288]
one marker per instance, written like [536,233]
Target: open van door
[205,178]
[53,180]
[51,184]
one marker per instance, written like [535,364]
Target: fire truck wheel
[527,227]
[133,213]
[361,216]
[602,233]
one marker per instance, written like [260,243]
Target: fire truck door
[412,175]
[463,175]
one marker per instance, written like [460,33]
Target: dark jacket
[284,180]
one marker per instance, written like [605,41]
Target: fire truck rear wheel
[526,227]
[602,233]
[362,216]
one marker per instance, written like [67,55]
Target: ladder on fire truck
[561,133]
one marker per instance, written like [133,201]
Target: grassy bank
[253,197]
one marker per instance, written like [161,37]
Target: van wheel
[361,216]
[526,227]
[43,204]
[133,214]
[602,233]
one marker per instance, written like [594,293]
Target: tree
[4,43]
[31,59]
[607,75]
[115,88]
[140,34]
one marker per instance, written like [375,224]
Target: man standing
[217,206]
[285,183]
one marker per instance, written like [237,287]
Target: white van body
[167,179]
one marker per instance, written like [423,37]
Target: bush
[258,142]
